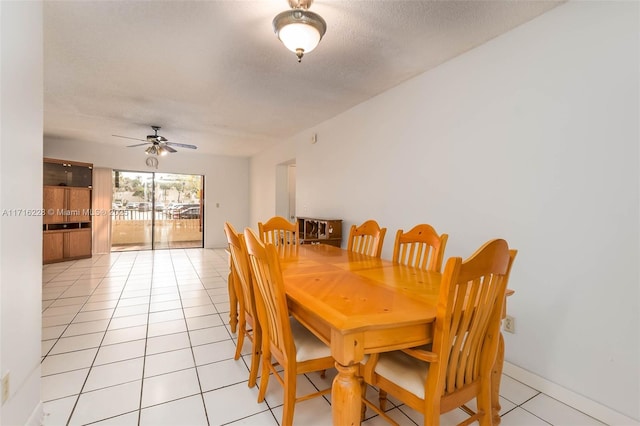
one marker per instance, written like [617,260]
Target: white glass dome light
[299,36]
[299,29]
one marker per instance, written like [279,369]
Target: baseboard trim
[586,405]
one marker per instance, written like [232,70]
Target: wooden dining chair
[457,367]
[279,231]
[248,325]
[295,348]
[421,248]
[366,238]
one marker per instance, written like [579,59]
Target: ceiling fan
[159,144]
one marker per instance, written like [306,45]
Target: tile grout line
[84,383]
[193,356]
[68,323]
[222,274]
[146,343]
[226,272]
[208,271]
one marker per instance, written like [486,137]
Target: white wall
[532,137]
[226,179]
[263,178]
[21,103]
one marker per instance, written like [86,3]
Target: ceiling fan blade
[127,137]
[157,141]
[181,145]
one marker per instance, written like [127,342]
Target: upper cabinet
[67,173]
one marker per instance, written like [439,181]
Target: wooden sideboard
[320,231]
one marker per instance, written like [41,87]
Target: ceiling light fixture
[156,149]
[299,29]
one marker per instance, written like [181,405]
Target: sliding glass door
[179,211]
[156,211]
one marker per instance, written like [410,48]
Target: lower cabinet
[52,246]
[58,246]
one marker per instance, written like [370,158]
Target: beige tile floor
[141,338]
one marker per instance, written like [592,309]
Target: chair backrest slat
[271,301]
[421,247]
[240,263]
[468,317]
[366,238]
[279,231]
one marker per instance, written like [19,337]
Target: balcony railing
[134,227]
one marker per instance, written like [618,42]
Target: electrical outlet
[5,387]
[509,324]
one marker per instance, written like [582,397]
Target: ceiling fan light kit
[156,149]
[299,29]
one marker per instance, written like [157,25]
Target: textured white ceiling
[213,74]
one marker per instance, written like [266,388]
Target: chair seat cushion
[308,346]
[404,370]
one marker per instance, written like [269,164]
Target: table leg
[233,304]
[496,376]
[346,396]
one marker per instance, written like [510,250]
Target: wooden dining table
[359,305]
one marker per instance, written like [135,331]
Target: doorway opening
[286,190]
[154,211]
